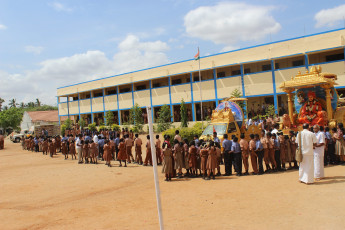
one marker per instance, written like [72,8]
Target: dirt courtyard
[38,192]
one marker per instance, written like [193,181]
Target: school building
[255,71]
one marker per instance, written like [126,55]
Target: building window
[246,70]
[87,96]
[156,85]
[141,87]
[266,67]
[125,90]
[334,57]
[111,92]
[97,95]
[176,82]
[75,98]
[298,63]
[276,65]
[236,72]
[221,74]
[188,79]
[196,78]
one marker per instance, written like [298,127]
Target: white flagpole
[155,174]
[202,119]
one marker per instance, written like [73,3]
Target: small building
[38,120]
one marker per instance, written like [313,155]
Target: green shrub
[101,127]
[185,133]
[63,129]
[92,126]
[116,127]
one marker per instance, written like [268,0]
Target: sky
[49,44]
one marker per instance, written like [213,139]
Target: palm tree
[22,105]
[1,101]
[13,103]
[38,102]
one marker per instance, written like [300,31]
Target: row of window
[296,61]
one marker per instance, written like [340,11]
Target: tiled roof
[48,116]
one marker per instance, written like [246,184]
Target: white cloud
[34,49]
[3,27]
[330,17]
[229,22]
[60,7]
[42,83]
[229,48]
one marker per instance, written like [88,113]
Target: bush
[92,126]
[63,129]
[109,118]
[185,133]
[81,123]
[116,127]
[101,127]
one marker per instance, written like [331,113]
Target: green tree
[136,118]
[11,118]
[1,102]
[184,116]
[164,118]
[270,110]
[92,126]
[13,103]
[38,102]
[68,123]
[109,118]
[237,94]
[82,123]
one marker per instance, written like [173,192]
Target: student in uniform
[271,151]
[236,151]
[148,158]
[253,155]
[158,150]
[122,155]
[72,149]
[192,159]
[129,145]
[107,153]
[86,151]
[167,162]
[276,151]
[264,142]
[186,156]
[178,155]
[137,147]
[64,149]
[93,152]
[245,153]
[259,150]
[282,150]
[45,146]
[212,161]
[204,157]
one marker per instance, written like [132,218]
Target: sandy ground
[38,192]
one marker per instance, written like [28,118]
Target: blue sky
[48,44]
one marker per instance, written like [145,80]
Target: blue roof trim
[250,47]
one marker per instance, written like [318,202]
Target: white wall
[26,122]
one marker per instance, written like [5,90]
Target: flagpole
[202,119]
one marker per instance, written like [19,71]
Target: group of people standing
[2,141]
[271,151]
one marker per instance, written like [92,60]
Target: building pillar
[79,105]
[329,103]
[133,94]
[67,106]
[91,96]
[192,97]
[215,85]
[152,113]
[243,91]
[58,102]
[290,105]
[274,88]
[306,61]
[118,105]
[171,108]
[104,119]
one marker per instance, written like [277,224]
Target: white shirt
[308,139]
[320,138]
[78,143]
[95,139]
[274,131]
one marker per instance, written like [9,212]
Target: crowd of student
[203,158]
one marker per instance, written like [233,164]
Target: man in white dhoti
[319,152]
[306,167]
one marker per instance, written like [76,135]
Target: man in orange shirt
[129,144]
[138,143]
[253,156]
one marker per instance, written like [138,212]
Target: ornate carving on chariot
[312,98]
